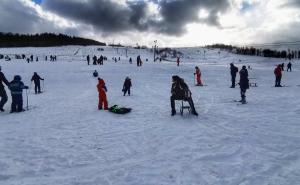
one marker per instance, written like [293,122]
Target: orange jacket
[101,86]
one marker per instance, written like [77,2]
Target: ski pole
[194,79]
[43,86]
[27,100]
[30,87]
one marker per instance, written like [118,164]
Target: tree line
[43,40]
[258,51]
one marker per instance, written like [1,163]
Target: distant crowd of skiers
[96,61]
[16,87]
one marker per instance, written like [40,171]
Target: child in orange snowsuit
[198,76]
[102,94]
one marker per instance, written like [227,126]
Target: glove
[26,87]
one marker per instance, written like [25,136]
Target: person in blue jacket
[16,88]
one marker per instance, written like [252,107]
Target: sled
[119,110]
[184,107]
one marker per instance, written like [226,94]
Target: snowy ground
[64,140]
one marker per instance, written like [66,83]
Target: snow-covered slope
[63,139]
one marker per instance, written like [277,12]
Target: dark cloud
[112,17]
[292,3]
[15,17]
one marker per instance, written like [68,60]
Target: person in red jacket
[278,75]
[198,76]
[102,94]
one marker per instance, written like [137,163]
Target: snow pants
[37,87]
[17,103]
[102,101]
[243,94]
[198,77]
[278,81]
[125,90]
[233,81]
[3,97]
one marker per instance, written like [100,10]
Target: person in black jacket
[180,91]
[95,73]
[16,87]
[244,83]
[3,94]
[37,85]
[126,86]
[233,71]
[289,67]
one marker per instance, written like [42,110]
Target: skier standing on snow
[138,61]
[37,85]
[130,60]
[278,75]
[88,59]
[198,76]
[244,83]
[126,86]
[289,67]
[180,91]
[178,61]
[233,72]
[102,94]
[16,87]
[3,94]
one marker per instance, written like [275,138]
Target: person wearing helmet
[3,94]
[16,88]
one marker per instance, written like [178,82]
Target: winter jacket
[180,89]
[244,81]
[127,83]
[233,70]
[277,71]
[101,86]
[4,80]
[36,78]
[16,87]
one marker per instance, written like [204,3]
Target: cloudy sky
[170,22]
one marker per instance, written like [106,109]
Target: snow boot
[173,112]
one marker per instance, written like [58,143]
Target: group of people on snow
[16,87]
